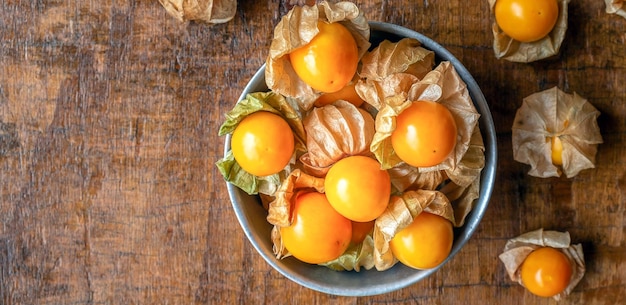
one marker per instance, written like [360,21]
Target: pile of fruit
[364,156]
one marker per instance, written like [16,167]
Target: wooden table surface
[109,114]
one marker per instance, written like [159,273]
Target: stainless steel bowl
[251,214]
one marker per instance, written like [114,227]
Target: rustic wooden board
[109,112]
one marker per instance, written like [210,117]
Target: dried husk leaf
[464,187]
[375,93]
[296,29]
[517,249]
[404,56]
[208,11]
[265,200]
[472,162]
[333,132]
[253,102]
[615,7]
[279,212]
[400,212]
[554,113]
[463,199]
[406,177]
[391,68]
[442,85]
[507,48]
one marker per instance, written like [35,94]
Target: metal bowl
[252,216]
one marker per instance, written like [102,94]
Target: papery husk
[615,7]
[472,162]
[253,102]
[406,177]
[357,257]
[442,85]
[279,212]
[207,11]
[266,199]
[462,198]
[335,131]
[401,212]
[464,187]
[517,249]
[510,49]
[405,56]
[296,29]
[391,68]
[544,115]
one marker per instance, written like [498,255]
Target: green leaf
[234,174]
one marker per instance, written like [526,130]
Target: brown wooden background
[109,113]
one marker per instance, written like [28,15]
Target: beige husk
[333,132]
[296,29]
[279,211]
[208,11]
[401,212]
[554,113]
[405,177]
[464,186]
[442,85]
[517,249]
[615,7]
[512,50]
[391,69]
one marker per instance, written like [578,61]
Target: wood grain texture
[109,112]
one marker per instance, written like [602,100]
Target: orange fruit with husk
[358,188]
[318,233]
[546,272]
[425,134]
[425,243]
[263,143]
[329,61]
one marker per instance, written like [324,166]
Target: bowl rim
[462,234]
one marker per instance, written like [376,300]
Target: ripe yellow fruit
[557,151]
[546,272]
[425,243]
[329,61]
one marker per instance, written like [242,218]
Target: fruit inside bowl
[252,214]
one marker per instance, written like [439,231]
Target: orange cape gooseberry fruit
[425,134]
[425,243]
[262,143]
[347,93]
[360,230]
[358,188]
[329,61]
[546,272]
[318,233]
[557,150]
[526,20]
